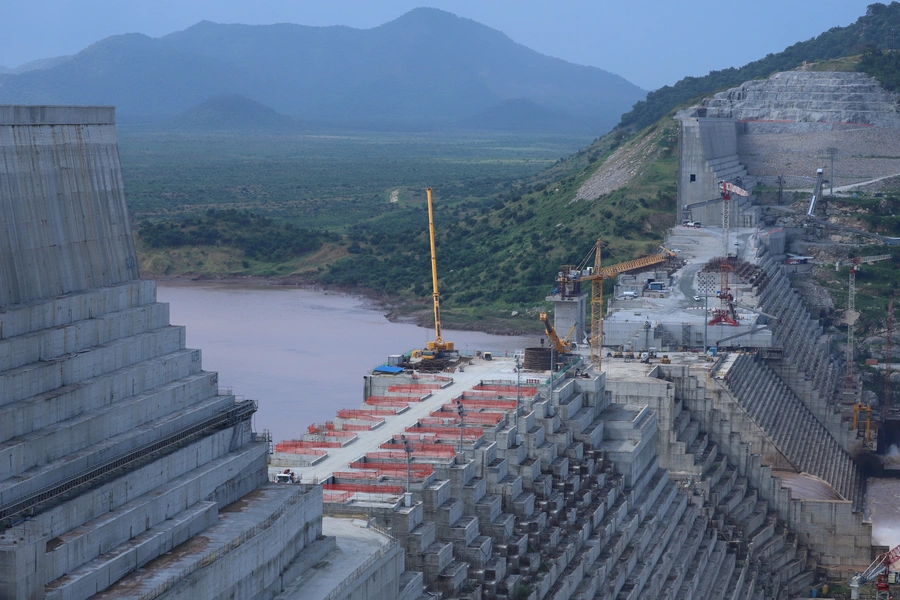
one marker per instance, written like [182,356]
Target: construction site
[698,434]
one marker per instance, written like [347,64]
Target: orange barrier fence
[484,404]
[295,445]
[336,497]
[447,432]
[386,401]
[363,488]
[414,387]
[365,415]
[507,389]
[447,452]
[403,397]
[475,418]
[356,427]
[416,469]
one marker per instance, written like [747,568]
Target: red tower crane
[878,571]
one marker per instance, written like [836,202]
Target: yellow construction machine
[561,346]
[438,347]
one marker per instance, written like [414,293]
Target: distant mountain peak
[424,70]
[233,112]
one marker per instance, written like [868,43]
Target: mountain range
[427,69]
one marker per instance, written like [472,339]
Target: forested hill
[427,70]
[873,30]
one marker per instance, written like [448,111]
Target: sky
[648,42]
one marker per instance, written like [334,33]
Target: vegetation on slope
[874,30]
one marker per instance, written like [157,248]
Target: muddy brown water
[301,353]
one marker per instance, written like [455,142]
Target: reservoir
[300,353]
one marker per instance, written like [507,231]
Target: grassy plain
[321,181]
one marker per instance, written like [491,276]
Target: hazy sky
[649,42]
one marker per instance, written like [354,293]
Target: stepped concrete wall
[114,443]
[786,123]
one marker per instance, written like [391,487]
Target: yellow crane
[561,346]
[438,346]
[570,275]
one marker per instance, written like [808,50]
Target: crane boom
[558,344]
[438,344]
[820,178]
[877,570]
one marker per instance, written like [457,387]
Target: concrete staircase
[113,440]
[793,428]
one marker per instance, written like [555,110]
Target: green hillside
[873,30]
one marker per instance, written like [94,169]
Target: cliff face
[829,99]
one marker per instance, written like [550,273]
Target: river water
[301,353]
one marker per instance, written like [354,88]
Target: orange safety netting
[387,402]
[417,469]
[474,418]
[365,415]
[405,398]
[484,403]
[507,389]
[336,497]
[364,488]
[295,445]
[446,432]
[446,452]
[414,387]
[356,427]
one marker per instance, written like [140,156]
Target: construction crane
[438,346]
[569,279]
[852,315]
[725,314]
[726,188]
[820,178]
[811,217]
[559,345]
[878,570]
[886,401]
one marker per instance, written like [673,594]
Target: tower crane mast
[852,315]
[569,275]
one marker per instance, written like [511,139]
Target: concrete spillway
[115,445]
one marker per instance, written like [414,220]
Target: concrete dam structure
[115,445]
[127,472]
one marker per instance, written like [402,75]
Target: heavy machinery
[568,283]
[438,347]
[878,572]
[811,217]
[561,346]
[727,189]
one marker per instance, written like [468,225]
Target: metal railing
[351,579]
[228,418]
[220,552]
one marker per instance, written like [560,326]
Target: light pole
[518,396]
[460,409]
[832,151]
[705,321]
[408,448]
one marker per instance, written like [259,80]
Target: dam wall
[125,470]
[65,227]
